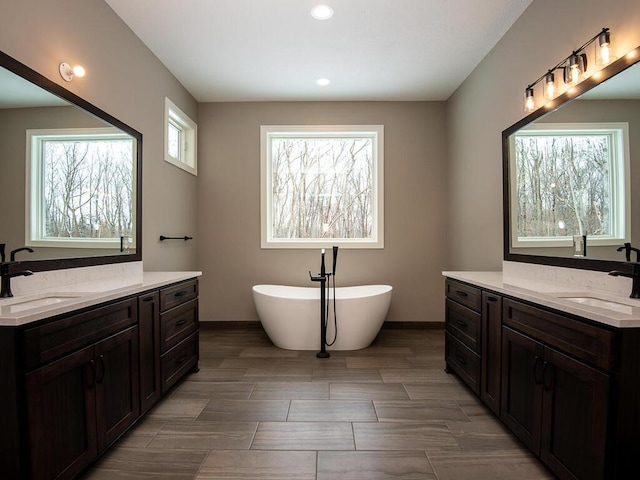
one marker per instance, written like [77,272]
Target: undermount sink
[42,301]
[601,303]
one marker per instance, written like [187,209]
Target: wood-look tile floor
[254,411]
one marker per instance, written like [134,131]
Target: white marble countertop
[607,307]
[24,309]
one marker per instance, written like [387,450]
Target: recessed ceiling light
[323,82]
[322,12]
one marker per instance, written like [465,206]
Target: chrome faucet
[5,270]
[635,269]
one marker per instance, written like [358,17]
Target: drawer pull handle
[492,299]
[147,299]
[462,323]
[181,359]
[92,370]
[101,378]
[461,359]
[548,381]
[461,293]
[180,294]
[181,322]
[537,376]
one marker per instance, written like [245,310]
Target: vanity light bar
[573,68]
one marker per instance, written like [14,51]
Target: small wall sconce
[67,72]
[573,68]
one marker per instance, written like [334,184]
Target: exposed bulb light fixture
[549,86]
[604,52]
[529,100]
[67,72]
[323,82]
[574,70]
[573,67]
[322,11]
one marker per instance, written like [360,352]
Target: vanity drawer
[464,294]
[178,360]
[464,324]
[463,361]
[178,323]
[587,342]
[64,335]
[178,294]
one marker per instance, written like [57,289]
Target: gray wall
[229,207]
[490,100]
[127,81]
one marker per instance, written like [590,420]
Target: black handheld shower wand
[335,259]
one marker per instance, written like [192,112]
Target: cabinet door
[491,350]
[117,386]
[574,428]
[521,402]
[62,416]
[149,333]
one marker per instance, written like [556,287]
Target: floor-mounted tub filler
[289,315]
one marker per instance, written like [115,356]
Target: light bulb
[323,82]
[575,69]
[549,86]
[529,100]
[604,50]
[67,72]
[79,71]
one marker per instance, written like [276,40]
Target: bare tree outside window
[81,188]
[88,188]
[570,183]
[322,185]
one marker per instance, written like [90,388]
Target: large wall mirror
[70,187]
[572,169]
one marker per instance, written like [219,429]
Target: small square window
[180,144]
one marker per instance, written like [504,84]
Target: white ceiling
[267,50]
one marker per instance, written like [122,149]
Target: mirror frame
[596,79]
[35,78]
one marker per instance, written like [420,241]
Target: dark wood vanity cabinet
[491,335]
[567,387]
[73,384]
[472,332]
[179,329]
[556,405]
[149,338]
[80,400]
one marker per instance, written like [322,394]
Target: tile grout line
[433,469]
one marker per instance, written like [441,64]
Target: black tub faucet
[5,270]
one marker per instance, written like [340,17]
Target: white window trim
[375,131]
[621,190]
[34,186]
[188,160]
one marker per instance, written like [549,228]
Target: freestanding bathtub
[291,315]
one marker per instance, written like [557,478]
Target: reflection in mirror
[574,172]
[70,185]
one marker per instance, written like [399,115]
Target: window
[570,179]
[322,185]
[180,138]
[80,188]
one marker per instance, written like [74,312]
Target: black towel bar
[185,238]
